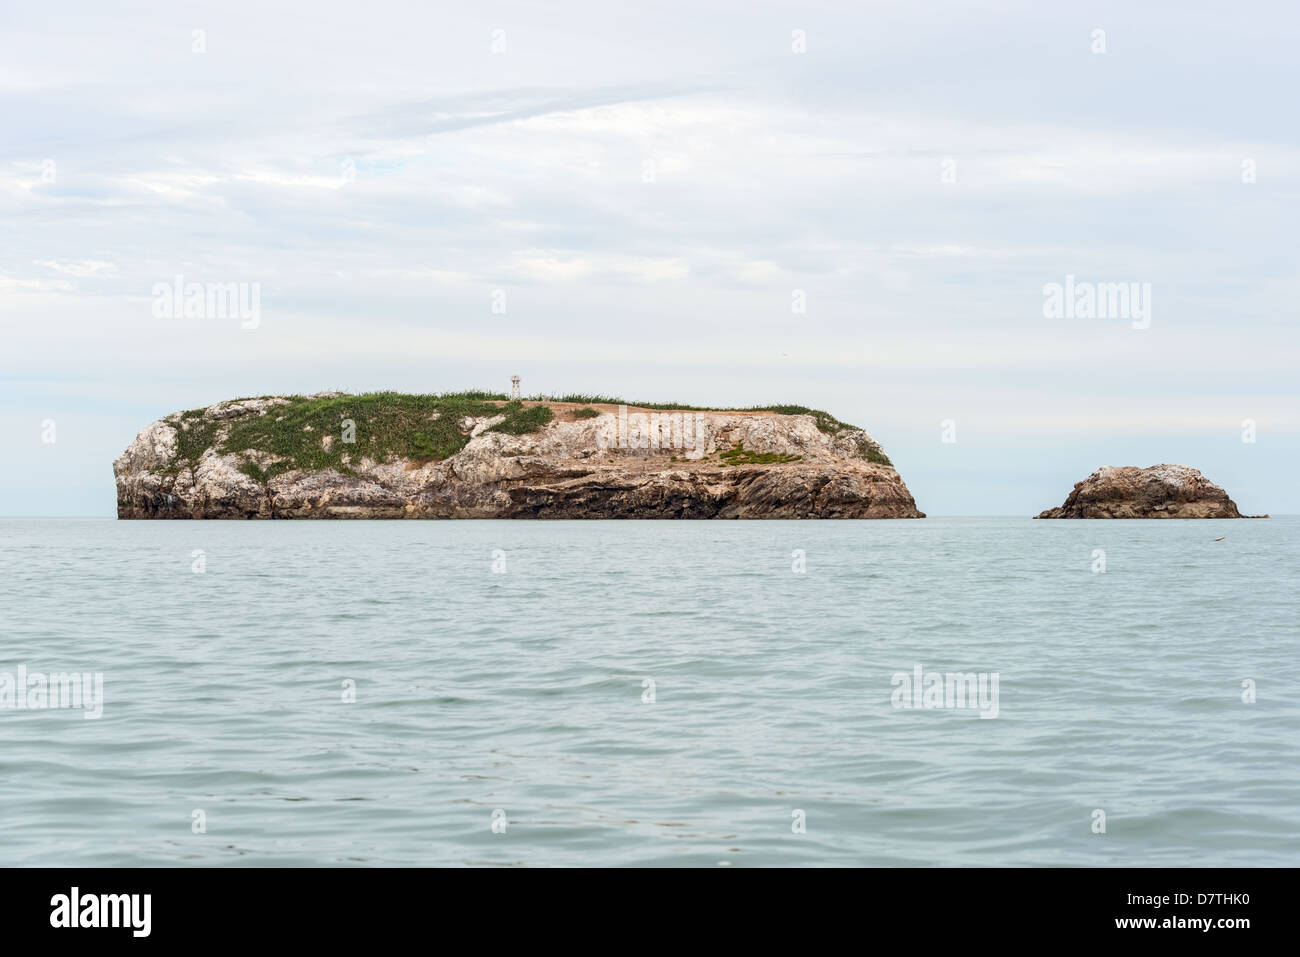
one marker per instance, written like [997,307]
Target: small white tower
[514,387]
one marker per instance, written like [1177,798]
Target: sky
[853,206]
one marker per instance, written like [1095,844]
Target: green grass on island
[743,456]
[385,425]
[421,428]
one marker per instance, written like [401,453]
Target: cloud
[650,188]
[10,284]
[86,267]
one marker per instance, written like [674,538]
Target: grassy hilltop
[416,427]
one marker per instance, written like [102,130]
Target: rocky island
[482,455]
[1159,491]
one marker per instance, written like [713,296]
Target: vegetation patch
[255,472]
[194,436]
[824,420]
[872,452]
[743,456]
[309,433]
[586,412]
[519,420]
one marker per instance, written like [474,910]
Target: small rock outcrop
[394,456]
[1159,491]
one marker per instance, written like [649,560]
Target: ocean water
[769,736]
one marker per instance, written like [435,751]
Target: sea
[941,692]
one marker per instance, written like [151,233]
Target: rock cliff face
[586,461]
[1160,491]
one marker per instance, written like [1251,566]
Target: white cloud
[84,268]
[10,284]
[771,172]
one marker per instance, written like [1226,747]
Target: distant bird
[1221,538]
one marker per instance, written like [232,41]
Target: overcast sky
[645,190]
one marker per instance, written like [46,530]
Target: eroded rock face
[570,468]
[1159,491]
